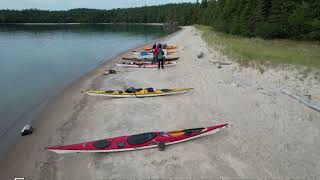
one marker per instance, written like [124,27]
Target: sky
[70,4]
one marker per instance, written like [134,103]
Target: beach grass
[264,51]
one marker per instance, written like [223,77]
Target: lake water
[38,61]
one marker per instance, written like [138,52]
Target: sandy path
[268,137]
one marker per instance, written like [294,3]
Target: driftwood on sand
[300,99]
[221,63]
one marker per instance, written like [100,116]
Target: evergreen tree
[301,20]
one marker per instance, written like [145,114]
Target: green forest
[291,19]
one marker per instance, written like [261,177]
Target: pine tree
[300,21]
[279,15]
[262,14]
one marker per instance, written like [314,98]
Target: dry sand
[270,135]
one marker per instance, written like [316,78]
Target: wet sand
[270,135]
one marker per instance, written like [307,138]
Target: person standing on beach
[160,56]
[155,50]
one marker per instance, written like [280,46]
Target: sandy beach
[270,135]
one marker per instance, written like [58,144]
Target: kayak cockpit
[141,138]
[101,144]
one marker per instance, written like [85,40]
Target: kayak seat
[101,144]
[141,138]
[150,89]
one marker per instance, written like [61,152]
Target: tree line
[183,14]
[297,19]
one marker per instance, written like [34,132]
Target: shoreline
[270,135]
[35,113]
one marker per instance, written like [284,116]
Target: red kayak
[138,141]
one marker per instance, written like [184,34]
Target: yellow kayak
[139,92]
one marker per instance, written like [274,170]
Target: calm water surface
[38,61]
